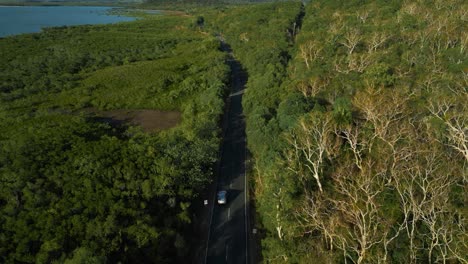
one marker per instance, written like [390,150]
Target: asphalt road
[228,233]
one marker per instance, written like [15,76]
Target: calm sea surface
[28,19]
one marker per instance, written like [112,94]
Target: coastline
[36,23]
[77,3]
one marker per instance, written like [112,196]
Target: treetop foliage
[356,118]
[77,189]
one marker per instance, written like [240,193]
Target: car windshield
[221,194]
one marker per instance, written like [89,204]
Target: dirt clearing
[148,120]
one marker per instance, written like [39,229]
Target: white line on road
[227,252]
[211,220]
[236,93]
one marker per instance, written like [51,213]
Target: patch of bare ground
[175,13]
[148,120]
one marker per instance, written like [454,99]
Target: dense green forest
[357,122]
[382,164]
[75,189]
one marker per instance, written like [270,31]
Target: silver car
[222,197]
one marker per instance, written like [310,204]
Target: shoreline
[50,4]
[101,15]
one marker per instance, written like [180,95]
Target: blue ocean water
[28,19]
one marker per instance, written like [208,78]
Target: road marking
[236,93]
[229,213]
[209,229]
[227,252]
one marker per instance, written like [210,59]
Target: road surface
[228,235]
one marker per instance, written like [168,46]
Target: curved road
[228,232]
